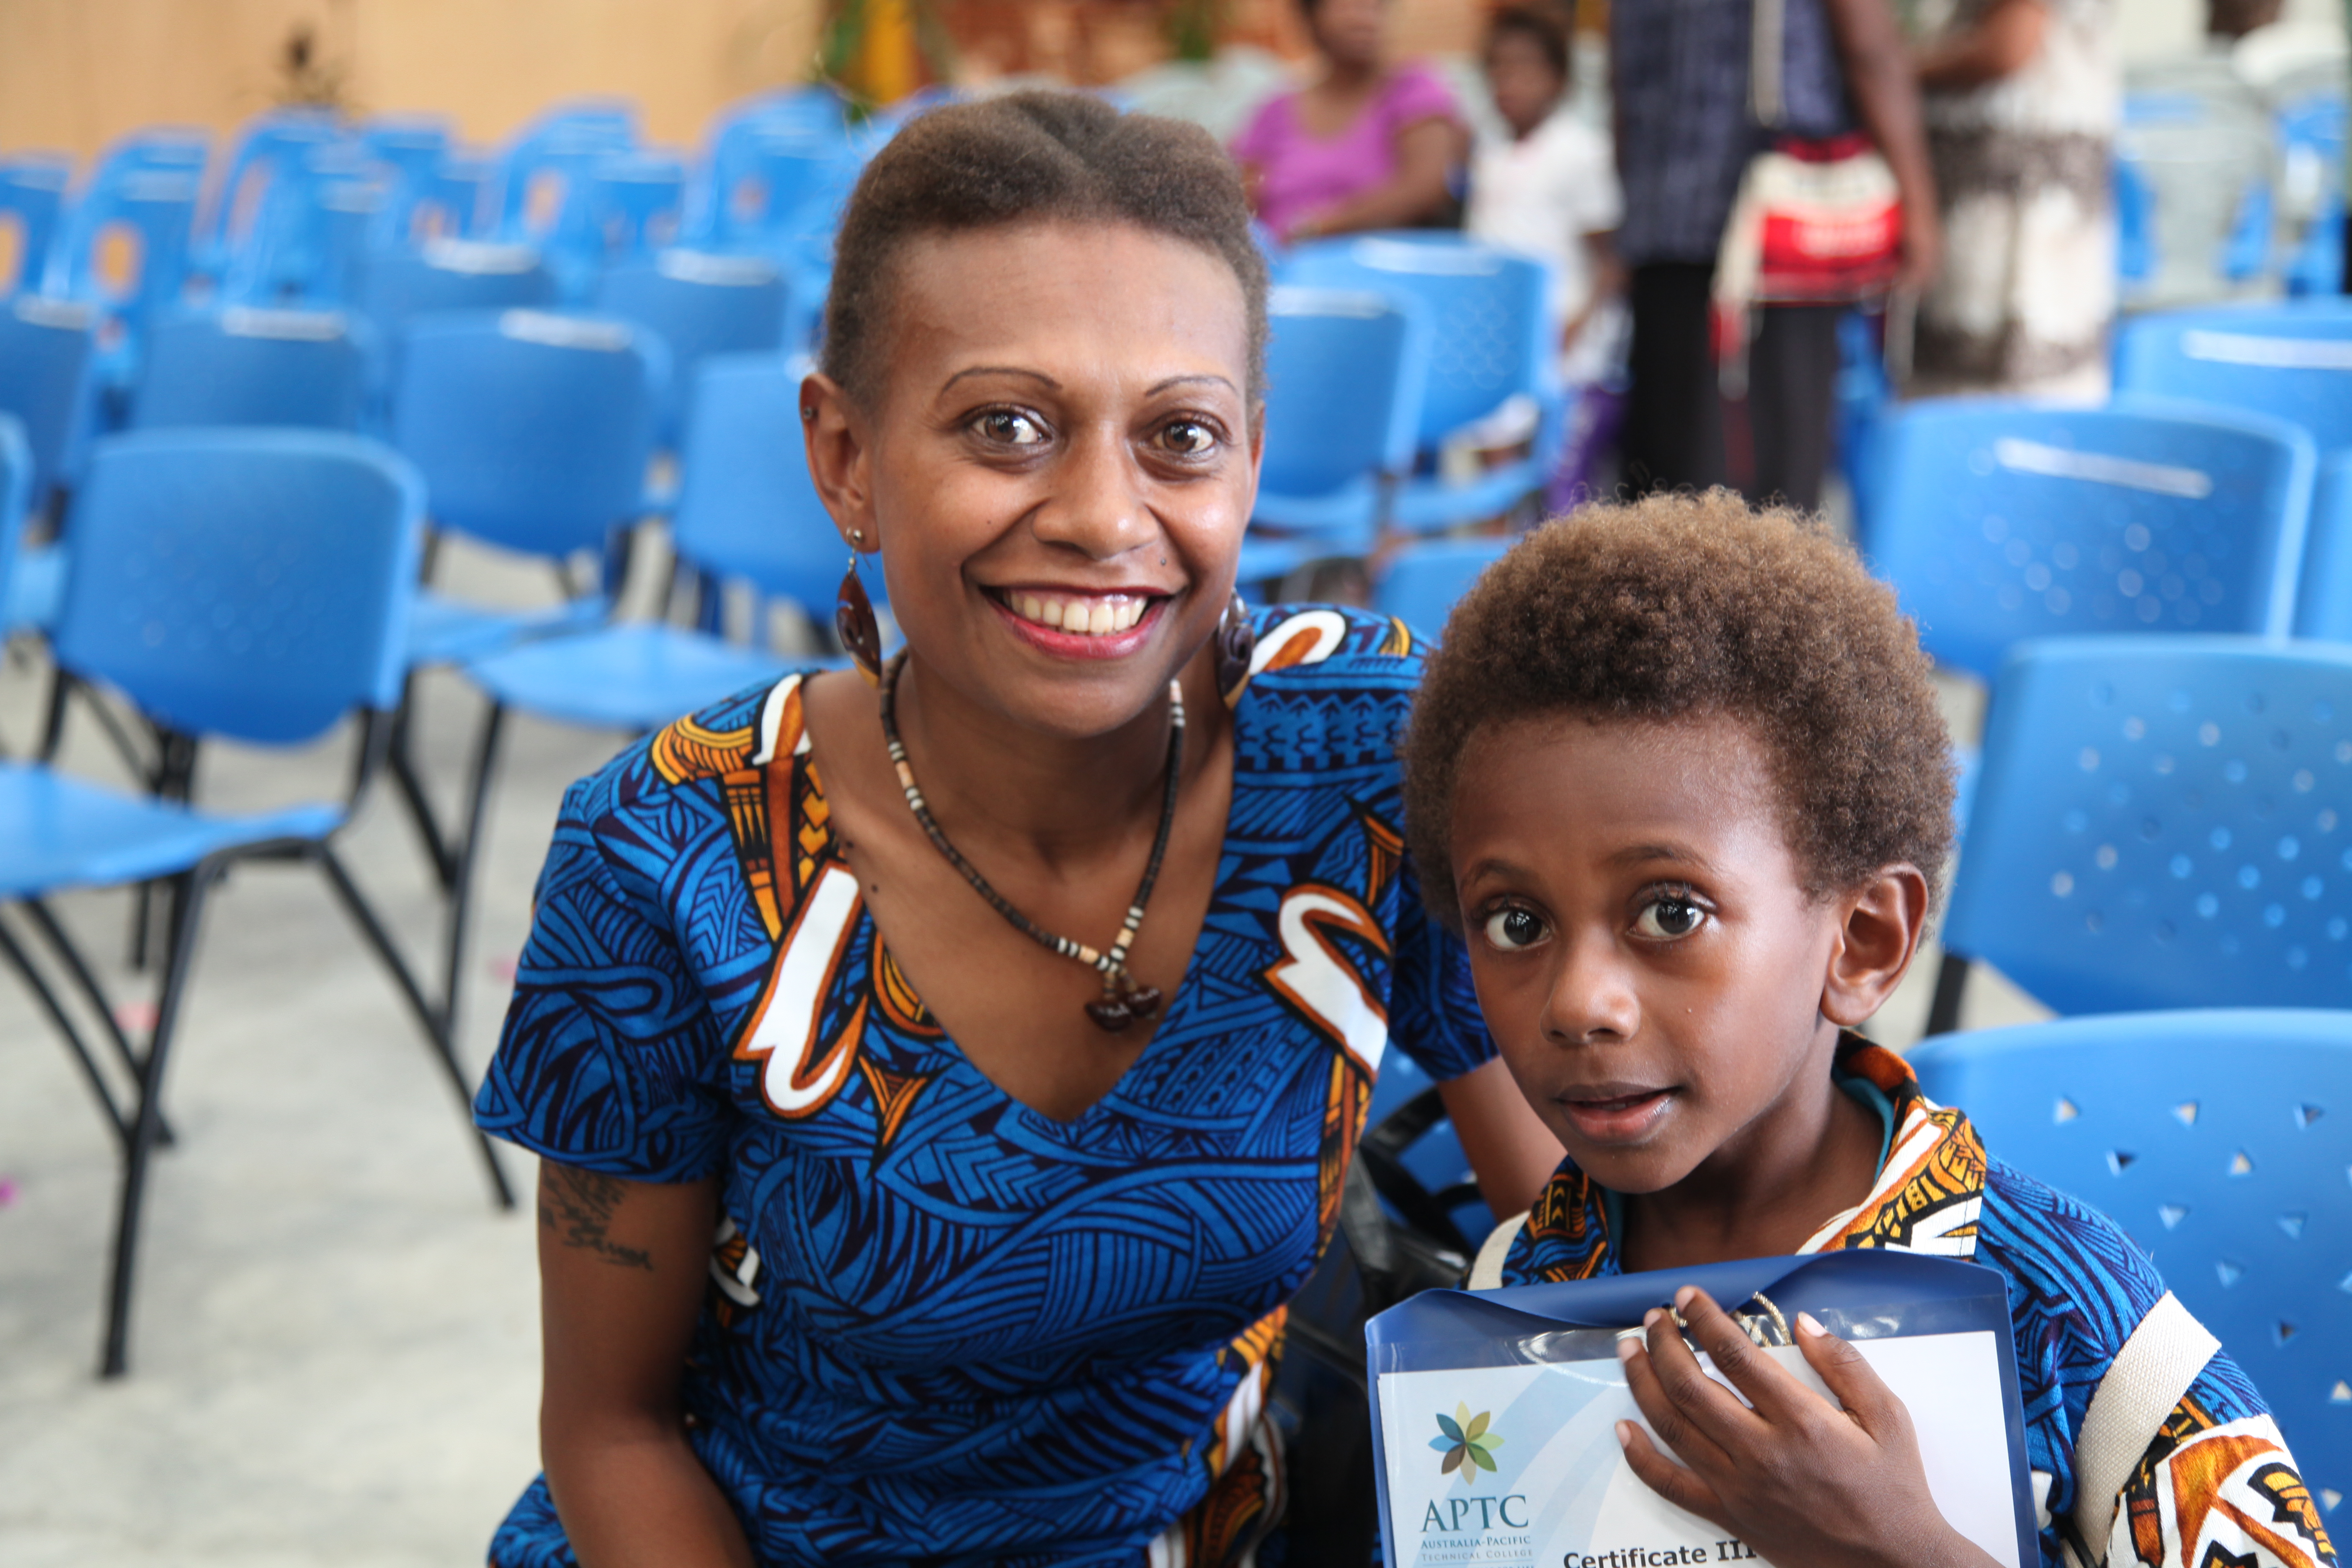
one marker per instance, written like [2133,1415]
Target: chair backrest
[733,200]
[2164,822]
[637,203]
[1420,585]
[273,149]
[2324,608]
[47,348]
[2219,1141]
[248,584]
[701,304]
[747,508]
[1346,371]
[2294,363]
[16,495]
[533,430]
[1999,520]
[1491,333]
[2205,165]
[398,285]
[155,210]
[32,199]
[241,365]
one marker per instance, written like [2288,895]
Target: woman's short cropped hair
[1030,157]
[1691,606]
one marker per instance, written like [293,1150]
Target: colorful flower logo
[1465,1442]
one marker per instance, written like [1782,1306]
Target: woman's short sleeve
[609,1058]
[1416,93]
[1433,1014]
[1261,140]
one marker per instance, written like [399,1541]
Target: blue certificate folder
[1529,1471]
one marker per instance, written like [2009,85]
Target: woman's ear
[1884,921]
[840,458]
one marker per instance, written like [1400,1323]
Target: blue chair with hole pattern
[701,304]
[244,365]
[1999,520]
[1345,375]
[1421,585]
[2291,362]
[533,431]
[251,585]
[1492,338]
[2161,822]
[2221,1141]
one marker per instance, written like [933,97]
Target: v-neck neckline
[1179,1007]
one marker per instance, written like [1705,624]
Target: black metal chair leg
[411,784]
[461,891]
[21,962]
[148,1119]
[436,1031]
[78,969]
[1951,987]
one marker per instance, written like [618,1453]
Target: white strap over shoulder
[1486,1268]
[2129,1407]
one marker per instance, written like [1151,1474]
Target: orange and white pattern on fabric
[2225,1495]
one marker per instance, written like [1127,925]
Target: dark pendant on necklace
[1118,1009]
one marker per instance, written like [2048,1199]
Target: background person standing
[1679,78]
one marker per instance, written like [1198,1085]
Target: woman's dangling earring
[1236,640]
[853,619]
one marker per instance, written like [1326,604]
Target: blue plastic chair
[2292,363]
[397,286]
[2219,1141]
[241,365]
[533,432]
[246,584]
[1999,520]
[2161,822]
[156,209]
[47,385]
[2325,607]
[1415,1158]
[637,203]
[1492,337]
[1346,371]
[32,199]
[701,304]
[262,183]
[1421,585]
[748,513]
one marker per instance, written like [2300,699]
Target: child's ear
[1880,933]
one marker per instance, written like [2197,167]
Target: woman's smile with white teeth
[1076,615]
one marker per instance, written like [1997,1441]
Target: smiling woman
[1011,1020]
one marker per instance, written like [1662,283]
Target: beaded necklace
[1123,1000]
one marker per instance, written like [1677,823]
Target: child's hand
[1798,1479]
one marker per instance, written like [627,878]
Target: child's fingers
[1691,1413]
[1855,1381]
[1671,1482]
[1776,1394]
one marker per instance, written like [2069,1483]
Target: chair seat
[634,677]
[58,831]
[1425,505]
[37,587]
[449,631]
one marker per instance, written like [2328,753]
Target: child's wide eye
[1513,929]
[1669,917]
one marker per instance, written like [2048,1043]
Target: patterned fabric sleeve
[2217,1486]
[609,1058]
[1434,1010]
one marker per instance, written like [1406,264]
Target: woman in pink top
[1363,146]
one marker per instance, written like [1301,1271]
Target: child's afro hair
[1680,605]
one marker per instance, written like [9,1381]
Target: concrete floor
[335,1351]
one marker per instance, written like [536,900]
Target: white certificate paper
[1548,1484]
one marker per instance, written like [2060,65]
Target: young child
[1548,189]
[1678,774]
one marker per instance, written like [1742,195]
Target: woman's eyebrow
[1207,376]
[1036,376]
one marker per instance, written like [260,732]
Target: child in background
[1549,190]
[1677,770]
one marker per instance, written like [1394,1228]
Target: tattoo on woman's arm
[577,1207]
